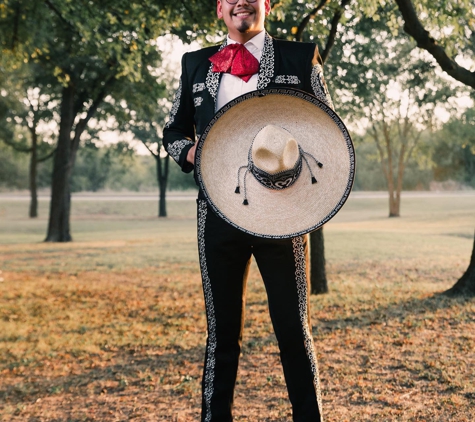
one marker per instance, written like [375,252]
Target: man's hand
[191,154]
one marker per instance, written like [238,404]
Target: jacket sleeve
[179,132]
[315,82]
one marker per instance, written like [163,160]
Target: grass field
[111,326]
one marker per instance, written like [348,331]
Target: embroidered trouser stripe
[302,287]
[208,377]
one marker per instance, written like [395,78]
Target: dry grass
[124,341]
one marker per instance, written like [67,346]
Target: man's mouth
[242,14]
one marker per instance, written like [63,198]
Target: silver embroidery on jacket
[208,388]
[176,104]
[287,79]
[175,148]
[198,101]
[212,78]
[266,67]
[302,289]
[319,87]
[198,87]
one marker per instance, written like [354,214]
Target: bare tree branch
[375,135]
[334,26]
[414,28]
[185,6]
[82,124]
[15,26]
[306,19]
[15,146]
[151,152]
[53,8]
[46,157]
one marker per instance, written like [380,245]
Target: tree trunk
[162,179]
[33,165]
[58,226]
[394,204]
[465,286]
[394,199]
[318,276]
[162,202]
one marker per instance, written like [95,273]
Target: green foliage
[98,48]
[13,169]
[114,167]
[369,177]
[117,167]
[454,150]
[452,23]
[92,169]
[26,100]
[181,181]
[372,70]
[82,36]
[286,16]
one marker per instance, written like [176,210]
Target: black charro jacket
[284,64]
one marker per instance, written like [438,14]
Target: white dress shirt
[232,86]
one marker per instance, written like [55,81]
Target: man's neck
[243,38]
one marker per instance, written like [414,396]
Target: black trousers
[225,254]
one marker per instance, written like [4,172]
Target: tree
[144,116]
[393,96]
[148,131]
[461,41]
[21,111]
[91,49]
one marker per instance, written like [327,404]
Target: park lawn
[111,327]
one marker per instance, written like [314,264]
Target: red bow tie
[236,60]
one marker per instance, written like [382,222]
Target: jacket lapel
[213,78]
[267,64]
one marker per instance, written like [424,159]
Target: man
[225,251]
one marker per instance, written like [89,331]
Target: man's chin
[244,28]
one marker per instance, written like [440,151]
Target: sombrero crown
[275,160]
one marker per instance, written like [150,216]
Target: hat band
[277,181]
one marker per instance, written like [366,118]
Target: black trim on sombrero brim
[293,93]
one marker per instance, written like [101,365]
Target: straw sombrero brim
[299,209]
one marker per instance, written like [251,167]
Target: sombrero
[276,163]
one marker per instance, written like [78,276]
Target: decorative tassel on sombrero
[319,164]
[238,188]
[275,160]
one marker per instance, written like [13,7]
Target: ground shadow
[395,311]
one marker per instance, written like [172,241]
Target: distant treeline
[113,167]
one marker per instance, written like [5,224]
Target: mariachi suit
[225,251]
